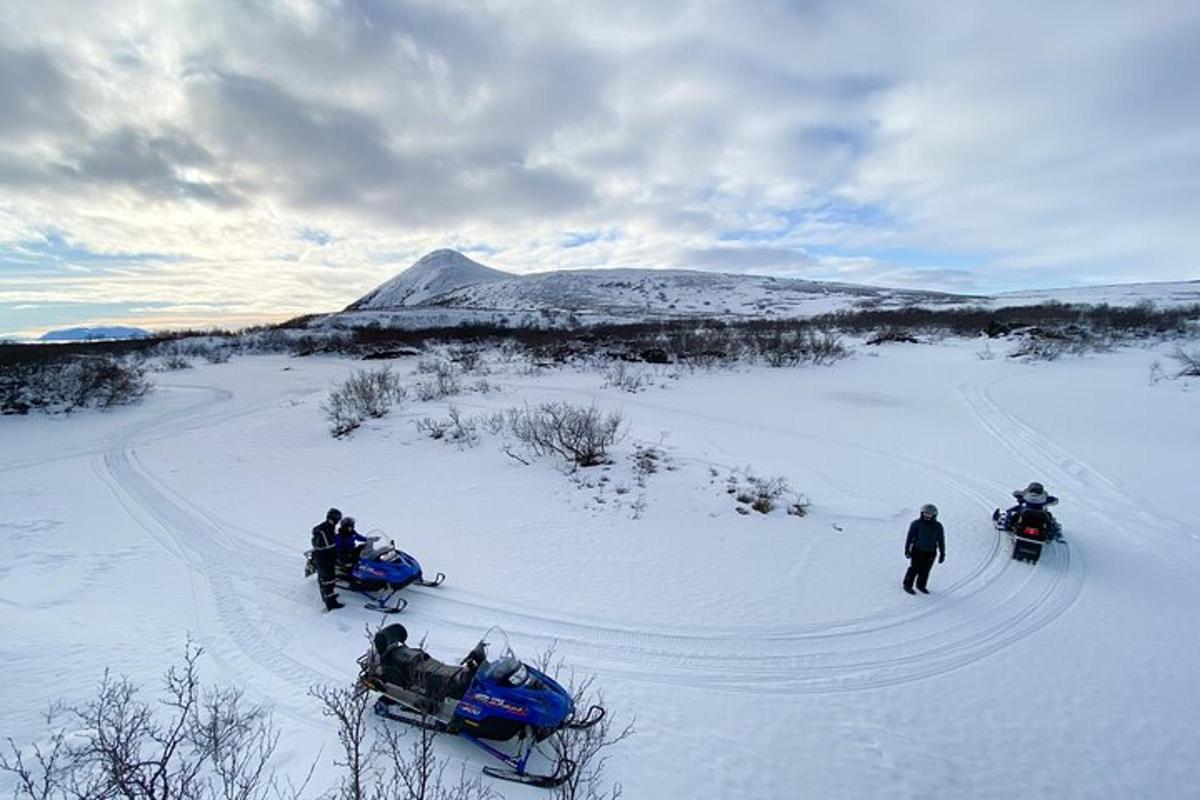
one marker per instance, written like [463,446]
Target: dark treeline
[657,340]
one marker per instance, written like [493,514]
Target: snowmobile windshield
[508,671]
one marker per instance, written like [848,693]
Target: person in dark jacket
[349,545]
[926,540]
[324,556]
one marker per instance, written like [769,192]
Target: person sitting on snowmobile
[324,556]
[1033,496]
[349,544]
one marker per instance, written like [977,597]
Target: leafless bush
[438,385]
[586,748]
[762,494]
[468,358]
[620,375]
[69,384]
[174,361]
[461,430]
[580,435]
[786,348]
[392,766]
[1049,344]
[194,743]
[365,394]
[1189,362]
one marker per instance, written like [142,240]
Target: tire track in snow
[985,610]
[219,562]
[1095,496]
[980,615]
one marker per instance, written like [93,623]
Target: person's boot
[333,603]
[922,590]
[909,589]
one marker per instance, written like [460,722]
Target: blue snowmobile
[378,573]
[481,700]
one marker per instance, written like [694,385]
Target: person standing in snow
[324,556]
[926,540]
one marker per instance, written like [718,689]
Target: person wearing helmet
[324,556]
[348,543]
[926,541]
[1036,497]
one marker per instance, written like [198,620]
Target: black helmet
[1035,488]
[333,515]
[347,522]
[930,509]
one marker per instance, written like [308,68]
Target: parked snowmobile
[481,700]
[1029,528]
[378,574]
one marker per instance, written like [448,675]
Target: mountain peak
[433,274]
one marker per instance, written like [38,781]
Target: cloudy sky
[168,162]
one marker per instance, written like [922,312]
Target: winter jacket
[926,535]
[324,538]
[346,539]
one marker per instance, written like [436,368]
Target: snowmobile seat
[414,669]
[1033,523]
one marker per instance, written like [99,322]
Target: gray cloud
[1053,144]
[34,95]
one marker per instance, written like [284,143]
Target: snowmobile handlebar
[474,659]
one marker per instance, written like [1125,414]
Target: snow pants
[325,561]
[919,565]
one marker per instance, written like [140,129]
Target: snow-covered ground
[762,656]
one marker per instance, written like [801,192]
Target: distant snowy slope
[1161,294]
[445,288]
[91,334]
[678,292]
[434,274]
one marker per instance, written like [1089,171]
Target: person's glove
[941,557]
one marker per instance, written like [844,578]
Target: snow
[432,275]
[445,288]
[762,656]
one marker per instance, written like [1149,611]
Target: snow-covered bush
[627,378]
[174,361]
[463,431]
[581,435]
[365,394]
[198,742]
[1189,363]
[442,379]
[763,494]
[787,348]
[70,384]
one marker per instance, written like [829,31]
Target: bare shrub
[781,347]
[461,430]
[174,361]
[194,743]
[65,385]
[390,767]
[582,435]
[365,394]
[468,358]
[1189,362]
[764,494]
[586,748]
[621,375]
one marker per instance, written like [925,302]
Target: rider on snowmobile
[1035,497]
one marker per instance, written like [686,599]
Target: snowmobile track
[989,607]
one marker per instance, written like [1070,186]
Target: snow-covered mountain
[93,334]
[432,276]
[445,288]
